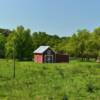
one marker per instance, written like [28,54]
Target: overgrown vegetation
[73,81]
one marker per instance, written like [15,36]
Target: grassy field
[73,81]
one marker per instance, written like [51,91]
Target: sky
[60,17]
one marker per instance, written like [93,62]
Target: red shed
[44,54]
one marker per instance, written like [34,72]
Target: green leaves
[2,45]
[82,44]
[22,40]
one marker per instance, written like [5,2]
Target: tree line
[82,44]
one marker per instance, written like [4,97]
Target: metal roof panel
[41,49]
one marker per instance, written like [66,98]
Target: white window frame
[45,60]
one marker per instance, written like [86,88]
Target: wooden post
[14,66]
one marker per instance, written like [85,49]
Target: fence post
[14,66]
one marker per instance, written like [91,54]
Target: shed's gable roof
[41,49]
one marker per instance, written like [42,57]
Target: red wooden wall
[38,58]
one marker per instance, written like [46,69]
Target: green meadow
[64,81]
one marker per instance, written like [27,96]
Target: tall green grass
[66,81]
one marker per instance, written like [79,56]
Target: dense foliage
[2,46]
[82,44]
[20,41]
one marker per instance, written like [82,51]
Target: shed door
[48,59]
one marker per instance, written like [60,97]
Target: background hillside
[5,32]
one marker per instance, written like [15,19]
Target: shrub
[65,97]
[90,88]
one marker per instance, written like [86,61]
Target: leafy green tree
[76,45]
[21,40]
[71,47]
[61,45]
[2,45]
[41,38]
[82,38]
[96,34]
[38,39]
[54,40]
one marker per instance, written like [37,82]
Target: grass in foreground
[73,81]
